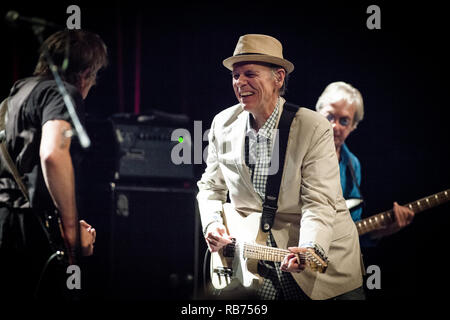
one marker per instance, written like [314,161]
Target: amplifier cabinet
[145,151]
[131,151]
[154,243]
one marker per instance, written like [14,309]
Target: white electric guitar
[239,260]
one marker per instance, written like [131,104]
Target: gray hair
[341,90]
[283,88]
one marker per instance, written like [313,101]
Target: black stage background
[178,48]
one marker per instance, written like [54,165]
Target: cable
[205,289]
[53,256]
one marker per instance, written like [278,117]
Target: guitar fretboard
[259,252]
[381,220]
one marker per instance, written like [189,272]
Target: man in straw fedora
[311,212]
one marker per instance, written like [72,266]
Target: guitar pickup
[223,271]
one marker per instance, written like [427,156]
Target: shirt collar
[267,129]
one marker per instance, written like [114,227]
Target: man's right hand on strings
[216,237]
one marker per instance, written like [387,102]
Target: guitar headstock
[313,260]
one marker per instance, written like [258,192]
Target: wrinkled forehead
[339,106]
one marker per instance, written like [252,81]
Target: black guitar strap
[355,181]
[273,183]
[9,103]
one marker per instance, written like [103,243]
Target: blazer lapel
[236,137]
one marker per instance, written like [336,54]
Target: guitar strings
[380,220]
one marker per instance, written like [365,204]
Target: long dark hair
[86,50]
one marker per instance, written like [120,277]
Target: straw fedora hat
[258,48]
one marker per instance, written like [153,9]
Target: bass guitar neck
[383,219]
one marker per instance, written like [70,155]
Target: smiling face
[257,86]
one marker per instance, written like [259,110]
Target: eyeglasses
[344,121]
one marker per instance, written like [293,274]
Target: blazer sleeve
[212,187]
[319,190]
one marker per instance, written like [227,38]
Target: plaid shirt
[258,150]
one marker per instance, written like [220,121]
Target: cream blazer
[311,207]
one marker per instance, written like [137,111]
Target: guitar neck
[259,252]
[381,220]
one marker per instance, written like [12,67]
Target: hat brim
[229,62]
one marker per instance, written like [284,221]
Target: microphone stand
[85,142]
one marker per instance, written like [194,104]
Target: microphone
[13,17]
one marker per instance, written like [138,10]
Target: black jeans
[24,250]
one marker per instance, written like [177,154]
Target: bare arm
[58,173]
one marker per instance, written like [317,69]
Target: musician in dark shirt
[38,137]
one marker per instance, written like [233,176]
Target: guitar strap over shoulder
[355,181]
[18,99]
[5,154]
[273,183]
